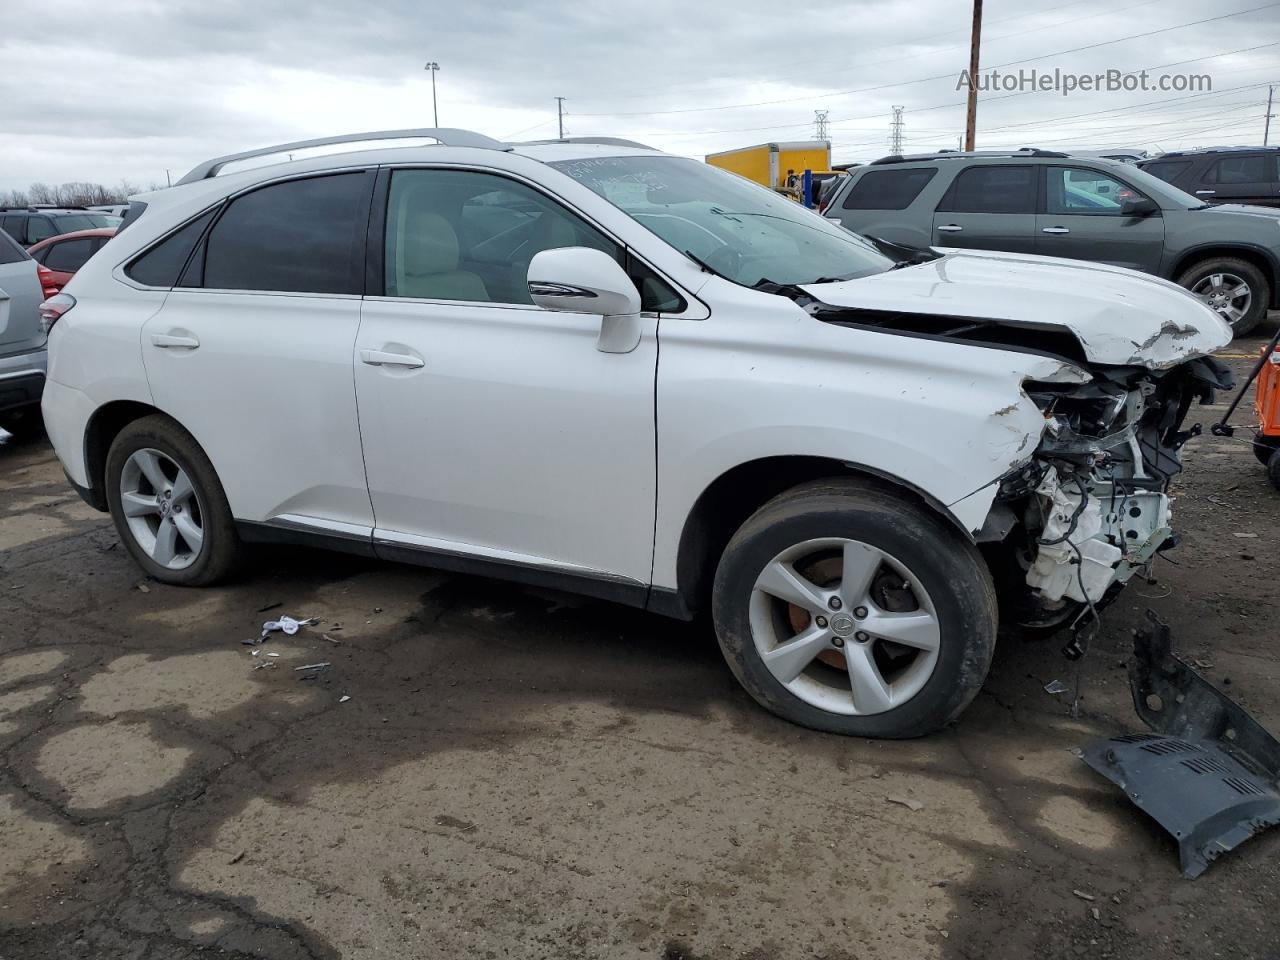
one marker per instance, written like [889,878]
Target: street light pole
[433,68]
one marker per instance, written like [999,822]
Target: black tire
[1264,447]
[951,570]
[1259,288]
[23,422]
[220,553]
[1273,469]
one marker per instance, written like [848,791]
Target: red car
[59,257]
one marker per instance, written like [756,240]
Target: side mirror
[583,280]
[1138,207]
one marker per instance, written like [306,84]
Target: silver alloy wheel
[162,509]
[824,622]
[1226,294]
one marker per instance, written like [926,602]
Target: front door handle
[167,340]
[1055,230]
[1206,193]
[380,358]
[950,228]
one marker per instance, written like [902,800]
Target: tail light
[49,284]
[53,309]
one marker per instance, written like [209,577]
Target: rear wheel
[168,506]
[843,607]
[1234,289]
[24,422]
[1264,447]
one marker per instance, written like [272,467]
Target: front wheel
[1234,289]
[168,506]
[846,608]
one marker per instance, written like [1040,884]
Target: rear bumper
[22,378]
[66,416]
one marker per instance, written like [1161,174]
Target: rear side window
[1167,170]
[70,255]
[993,189]
[162,264]
[41,228]
[300,236]
[888,189]
[1239,170]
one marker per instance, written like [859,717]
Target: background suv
[1223,174]
[30,225]
[449,355]
[1053,204]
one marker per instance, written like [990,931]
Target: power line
[942,76]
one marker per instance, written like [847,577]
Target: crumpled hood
[1121,317]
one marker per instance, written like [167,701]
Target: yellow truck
[771,163]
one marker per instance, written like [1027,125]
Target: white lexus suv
[589,365]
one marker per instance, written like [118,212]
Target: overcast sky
[101,90]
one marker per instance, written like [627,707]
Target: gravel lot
[519,773]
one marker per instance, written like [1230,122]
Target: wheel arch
[1257,256]
[100,432]
[726,503]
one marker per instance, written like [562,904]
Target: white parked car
[590,365]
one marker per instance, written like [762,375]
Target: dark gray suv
[1057,205]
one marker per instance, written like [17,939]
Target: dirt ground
[519,773]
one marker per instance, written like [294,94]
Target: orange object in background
[1267,399]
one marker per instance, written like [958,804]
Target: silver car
[22,341]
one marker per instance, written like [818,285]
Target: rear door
[1240,178]
[252,350]
[878,201]
[989,207]
[1082,220]
[20,297]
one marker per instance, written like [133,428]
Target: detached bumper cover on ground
[1209,773]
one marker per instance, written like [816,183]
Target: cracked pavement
[520,773]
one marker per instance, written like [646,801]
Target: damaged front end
[1092,507]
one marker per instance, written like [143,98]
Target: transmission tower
[820,131]
[895,131]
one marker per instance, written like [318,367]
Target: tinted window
[994,189]
[1167,170]
[301,236]
[161,265]
[10,252]
[14,226]
[458,235]
[39,228]
[71,222]
[1238,170]
[887,189]
[70,255]
[1076,190]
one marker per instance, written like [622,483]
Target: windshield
[737,229]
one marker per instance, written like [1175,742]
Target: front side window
[992,189]
[1074,190]
[299,236]
[465,235]
[737,229]
[41,228]
[1231,170]
[70,255]
[888,189]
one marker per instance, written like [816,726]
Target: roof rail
[966,154]
[604,141]
[448,136]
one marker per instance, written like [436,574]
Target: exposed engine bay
[1092,507]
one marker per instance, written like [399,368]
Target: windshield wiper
[707,268]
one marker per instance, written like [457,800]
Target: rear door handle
[173,340]
[1055,230]
[1206,193]
[950,228]
[380,358]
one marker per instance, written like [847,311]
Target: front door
[251,352]
[991,207]
[1082,220]
[493,429]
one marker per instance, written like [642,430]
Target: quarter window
[888,189]
[162,264]
[992,189]
[300,236]
[1230,170]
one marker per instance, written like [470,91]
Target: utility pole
[168,180]
[820,130]
[433,68]
[1266,127]
[560,116]
[971,113]
[895,131]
